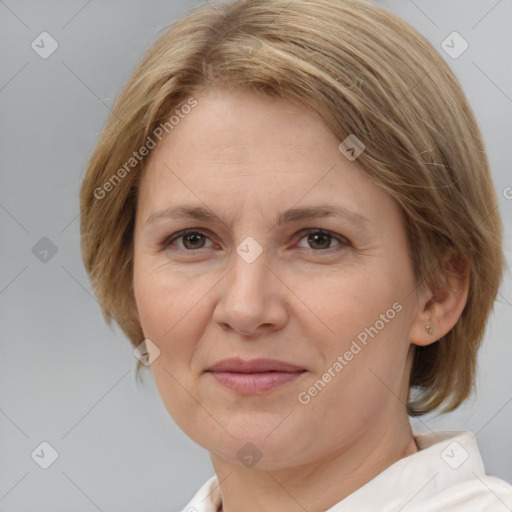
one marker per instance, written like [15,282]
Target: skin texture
[304,300]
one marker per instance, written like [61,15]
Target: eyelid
[301,234]
[339,238]
[176,236]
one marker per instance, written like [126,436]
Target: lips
[254,376]
[253,366]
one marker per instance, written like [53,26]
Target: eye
[191,239]
[322,239]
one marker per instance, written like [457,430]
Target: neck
[317,485]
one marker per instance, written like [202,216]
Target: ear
[440,307]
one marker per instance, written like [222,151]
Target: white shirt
[447,474]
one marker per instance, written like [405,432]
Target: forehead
[238,150]
[239,127]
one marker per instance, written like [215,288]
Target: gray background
[67,378]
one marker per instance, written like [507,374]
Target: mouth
[254,376]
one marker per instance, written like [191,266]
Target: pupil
[194,237]
[314,238]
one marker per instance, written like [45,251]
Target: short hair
[367,73]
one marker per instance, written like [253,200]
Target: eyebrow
[287,216]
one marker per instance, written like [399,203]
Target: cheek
[356,304]
[165,307]
[164,300]
[348,393]
[369,318]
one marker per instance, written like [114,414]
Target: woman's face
[339,305]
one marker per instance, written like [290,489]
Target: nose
[253,299]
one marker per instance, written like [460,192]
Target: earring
[428,328]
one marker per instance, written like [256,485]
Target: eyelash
[343,242]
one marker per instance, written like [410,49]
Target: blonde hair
[366,72]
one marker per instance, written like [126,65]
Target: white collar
[447,473]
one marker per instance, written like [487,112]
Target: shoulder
[479,494]
[206,499]
[459,480]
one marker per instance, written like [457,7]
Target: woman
[290,214]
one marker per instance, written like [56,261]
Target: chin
[258,448]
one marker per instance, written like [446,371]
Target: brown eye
[191,240]
[321,240]
[196,240]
